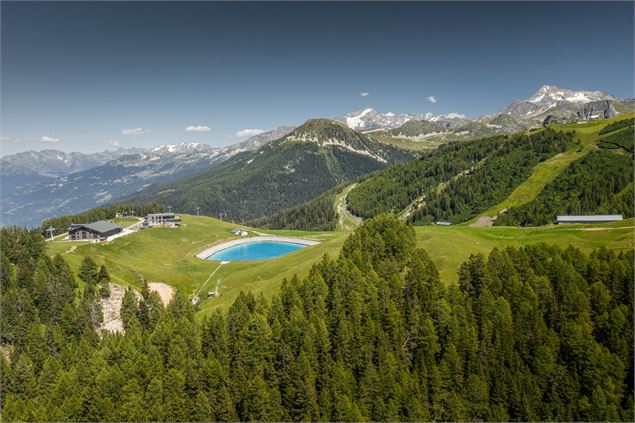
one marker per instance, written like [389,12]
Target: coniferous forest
[317,214]
[536,333]
[458,180]
[599,183]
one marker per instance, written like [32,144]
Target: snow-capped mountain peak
[549,96]
[551,93]
[369,118]
[430,117]
[355,120]
[183,147]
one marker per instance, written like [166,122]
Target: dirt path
[420,201]
[346,221]
[483,222]
[198,291]
[413,207]
[165,291]
[597,229]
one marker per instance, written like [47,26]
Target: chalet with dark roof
[93,231]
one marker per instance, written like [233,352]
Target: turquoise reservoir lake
[260,250]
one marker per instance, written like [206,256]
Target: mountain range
[549,104]
[283,173]
[38,185]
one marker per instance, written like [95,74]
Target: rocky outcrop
[552,119]
[111,310]
[597,110]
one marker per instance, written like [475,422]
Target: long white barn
[598,218]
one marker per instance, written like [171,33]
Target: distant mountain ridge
[43,188]
[55,163]
[550,96]
[283,173]
[38,185]
[549,104]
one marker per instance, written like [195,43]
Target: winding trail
[346,220]
[198,291]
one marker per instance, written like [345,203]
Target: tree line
[60,224]
[623,123]
[599,183]
[624,139]
[465,196]
[318,214]
[527,334]
[457,178]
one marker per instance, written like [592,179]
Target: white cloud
[364,94]
[134,131]
[114,142]
[431,99]
[49,140]
[11,139]
[197,128]
[249,132]
[455,115]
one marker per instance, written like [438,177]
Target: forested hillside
[623,138]
[315,215]
[599,183]
[393,189]
[459,179]
[538,333]
[466,196]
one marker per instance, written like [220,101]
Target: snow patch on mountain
[340,144]
[356,121]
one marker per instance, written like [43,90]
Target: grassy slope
[547,171]
[167,255]
[451,245]
[125,221]
[408,143]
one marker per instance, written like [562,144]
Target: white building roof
[591,218]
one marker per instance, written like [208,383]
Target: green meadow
[168,255]
[449,246]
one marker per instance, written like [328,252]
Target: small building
[93,231]
[597,218]
[240,232]
[443,223]
[157,219]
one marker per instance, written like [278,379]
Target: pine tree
[103,279]
[88,271]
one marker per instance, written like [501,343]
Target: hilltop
[289,171]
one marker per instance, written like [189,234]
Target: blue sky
[77,75]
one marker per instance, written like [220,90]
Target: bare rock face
[597,110]
[111,310]
[551,119]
